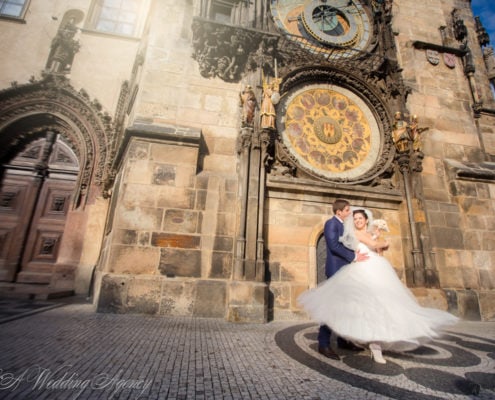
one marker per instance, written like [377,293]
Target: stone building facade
[181,158]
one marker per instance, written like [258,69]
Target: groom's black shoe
[328,352]
[344,344]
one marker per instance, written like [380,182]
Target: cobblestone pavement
[71,352]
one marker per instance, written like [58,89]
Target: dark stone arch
[52,104]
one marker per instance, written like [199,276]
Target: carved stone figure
[400,133]
[248,102]
[271,97]
[63,49]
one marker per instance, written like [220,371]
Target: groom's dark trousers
[337,256]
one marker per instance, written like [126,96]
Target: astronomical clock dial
[330,131]
[338,27]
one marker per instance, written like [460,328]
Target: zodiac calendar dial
[330,131]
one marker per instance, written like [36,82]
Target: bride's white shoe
[376,353]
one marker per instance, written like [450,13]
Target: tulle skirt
[365,302]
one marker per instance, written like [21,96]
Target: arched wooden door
[35,197]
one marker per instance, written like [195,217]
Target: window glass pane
[126,29]
[113,3]
[131,5]
[12,7]
[127,17]
[118,16]
[106,26]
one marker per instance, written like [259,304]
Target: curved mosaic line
[418,367]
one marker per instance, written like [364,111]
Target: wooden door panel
[17,198]
[47,227]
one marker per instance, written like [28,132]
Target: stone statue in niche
[63,49]
[248,103]
[400,133]
[271,97]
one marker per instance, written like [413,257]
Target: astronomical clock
[330,122]
[340,28]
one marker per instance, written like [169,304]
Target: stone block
[144,238]
[475,221]
[487,305]
[470,277]
[289,253]
[177,298]
[138,195]
[176,262]
[488,241]
[227,202]
[160,239]
[452,220]
[113,294]
[133,260]
[483,191]
[458,188]
[468,305]
[487,279]
[450,277]
[139,150]
[273,271]
[221,265]
[223,243]
[140,218]
[125,236]
[172,197]
[210,301]
[281,296]
[437,218]
[143,296]
[201,182]
[173,154]
[220,163]
[138,172]
[473,206]
[434,298]
[200,203]
[163,174]
[289,235]
[447,238]
[448,207]
[248,302]
[439,195]
[472,240]
[226,223]
[180,221]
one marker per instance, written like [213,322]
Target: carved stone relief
[28,111]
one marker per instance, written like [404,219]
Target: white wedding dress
[366,302]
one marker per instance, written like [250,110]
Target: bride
[365,302]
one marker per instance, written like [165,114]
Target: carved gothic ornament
[230,52]
[332,127]
[28,111]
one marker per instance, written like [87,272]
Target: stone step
[32,291]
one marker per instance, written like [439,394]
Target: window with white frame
[121,17]
[13,8]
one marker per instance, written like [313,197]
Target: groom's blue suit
[337,256]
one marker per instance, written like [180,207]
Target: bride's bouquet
[381,224]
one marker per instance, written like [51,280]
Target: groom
[337,256]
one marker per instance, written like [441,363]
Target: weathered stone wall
[294,223]
[171,250]
[459,212]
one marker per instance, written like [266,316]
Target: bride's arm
[368,240]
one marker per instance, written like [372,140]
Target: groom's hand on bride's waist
[361,256]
